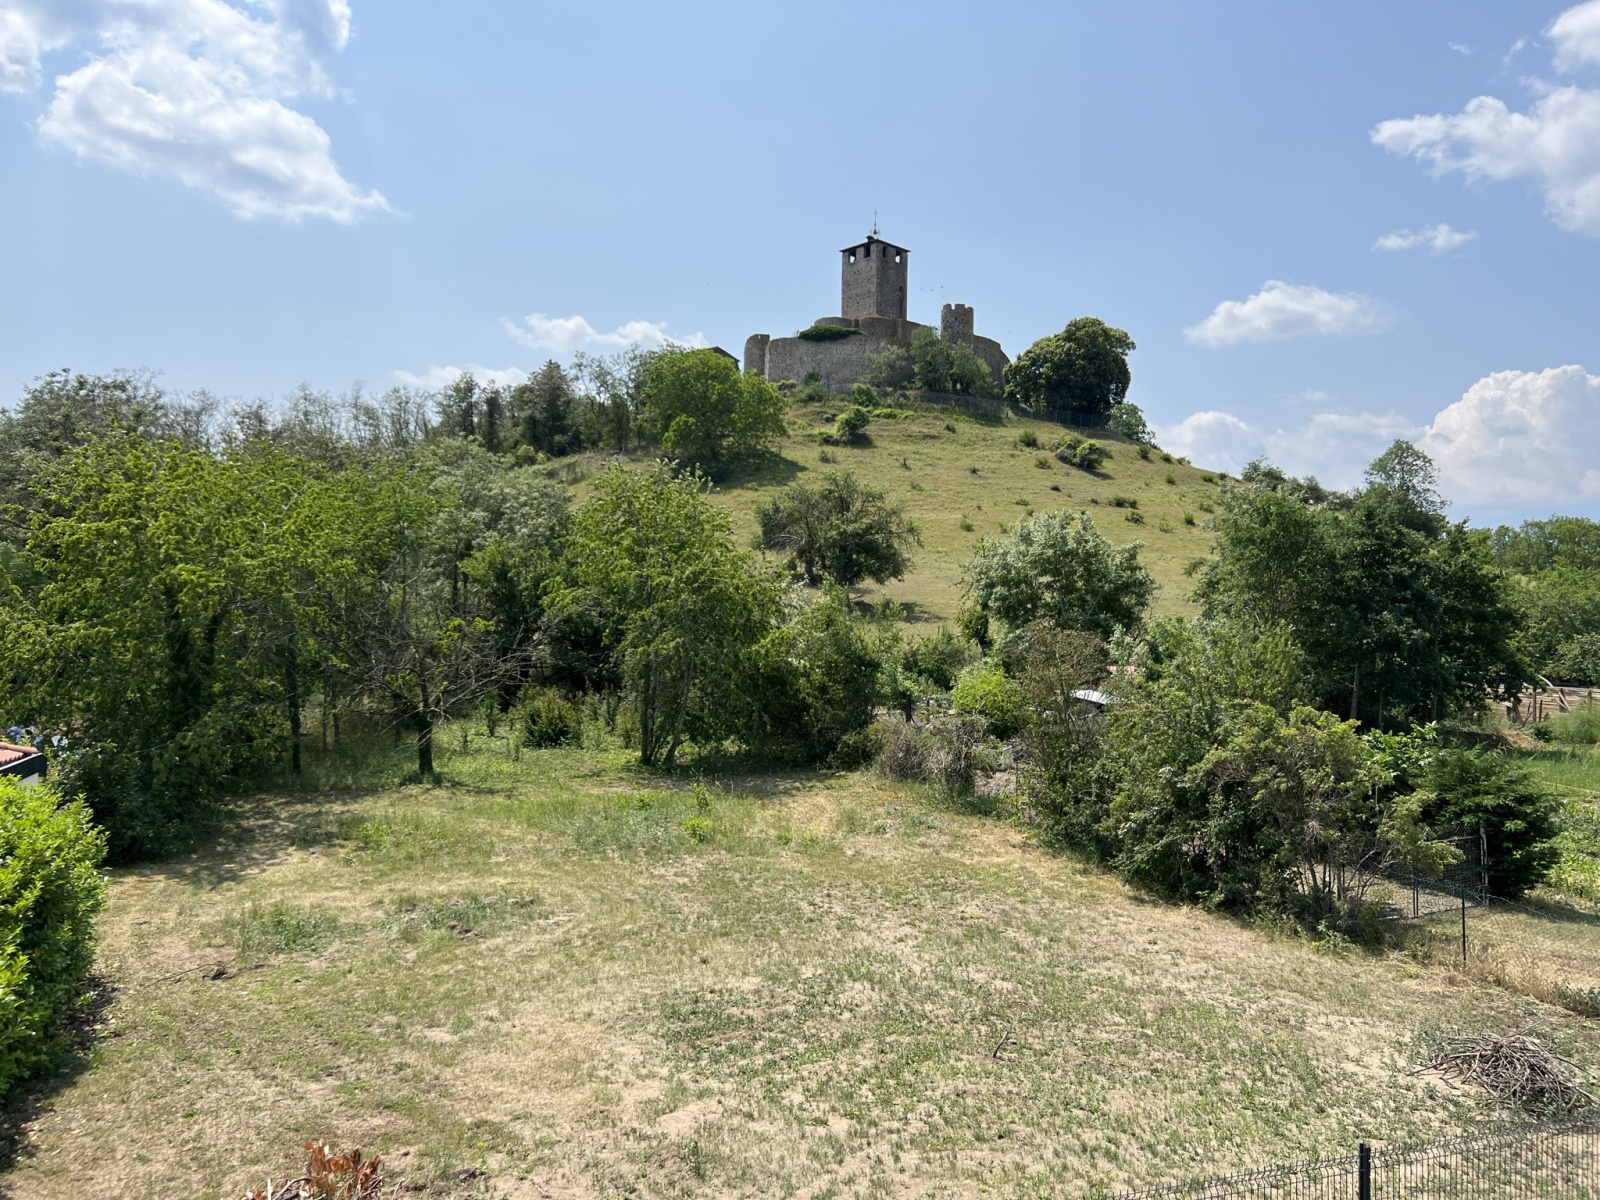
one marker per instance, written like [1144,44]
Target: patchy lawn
[559,977]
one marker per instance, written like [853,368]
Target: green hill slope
[963,479]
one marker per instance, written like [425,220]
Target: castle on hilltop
[872,302]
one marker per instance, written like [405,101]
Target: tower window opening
[852,256]
[897,257]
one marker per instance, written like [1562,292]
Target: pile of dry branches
[328,1177]
[1514,1070]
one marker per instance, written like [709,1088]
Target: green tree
[942,365]
[543,412]
[653,564]
[1057,567]
[165,621]
[812,683]
[1084,367]
[840,531]
[1469,790]
[1401,614]
[707,413]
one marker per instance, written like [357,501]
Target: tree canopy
[1056,566]
[1084,367]
[704,411]
[840,531]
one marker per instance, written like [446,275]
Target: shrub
[549,719]
[1080,452]
[1123,502]
[939,660]
[50,891]
[1581,726]
[849,426]
[985,690]
[1029,439]
[1520,818]
[812,684]
[946,750]
[827,333]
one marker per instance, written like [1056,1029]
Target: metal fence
[1071,417]
[1555,1161]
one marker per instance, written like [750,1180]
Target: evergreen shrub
[549,719]
[50,890]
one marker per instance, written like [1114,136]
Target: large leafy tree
[652,563]
[163,616]
[840,531]
[707,413]
[1056,566]
[1401,614]
[1084,367]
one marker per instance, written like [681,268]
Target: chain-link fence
[1555,1161]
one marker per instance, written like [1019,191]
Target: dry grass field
[557,977]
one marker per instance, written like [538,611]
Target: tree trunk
[424,746]
[291,685]
[677,725]
[647,723]
[424,734]
[1355,695]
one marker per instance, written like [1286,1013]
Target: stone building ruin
[873,292]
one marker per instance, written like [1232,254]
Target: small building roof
[21,760]
[1090,696]
[874,240]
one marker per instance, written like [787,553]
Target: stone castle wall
[837,364]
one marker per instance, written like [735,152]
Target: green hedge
[50,890]
[827,333]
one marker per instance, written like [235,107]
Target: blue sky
[248,196]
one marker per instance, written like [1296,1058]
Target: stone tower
[874,280]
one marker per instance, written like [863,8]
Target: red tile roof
[11,752]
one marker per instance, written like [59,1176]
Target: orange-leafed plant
[327,1177]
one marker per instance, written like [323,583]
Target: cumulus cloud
[1518,442]
[435,378]
[1438,238]
[1285,310]
[567,335]
[1576,36]
[196,89]
[1460,48]
[1521,437]
[1556,142]
[1334,447]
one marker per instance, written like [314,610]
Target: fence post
[1364,1177]
[1463,891]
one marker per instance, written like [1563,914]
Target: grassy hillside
[925,459]
[542,979]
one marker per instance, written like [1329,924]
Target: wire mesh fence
[1554,1161]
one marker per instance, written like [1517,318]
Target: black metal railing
[1551,1161]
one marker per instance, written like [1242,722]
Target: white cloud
[1285,310]
[196,89]
[1576,35]
[1520,437]
[1556,142]
[1334,447]
[567,335]
[435,378]
[1218,440]
[1438,238]
[1460,48]
[1517,442]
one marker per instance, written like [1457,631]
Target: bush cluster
[50,890]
